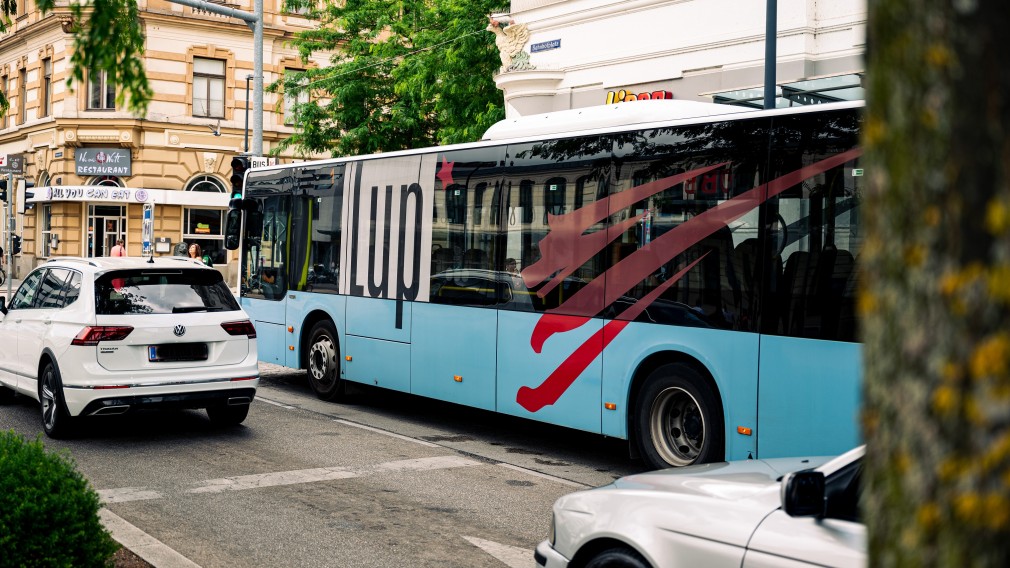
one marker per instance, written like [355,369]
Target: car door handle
[47,321]
[17,321]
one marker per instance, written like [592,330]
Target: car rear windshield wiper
[189,309]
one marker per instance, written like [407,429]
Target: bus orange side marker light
[291,329]
[291,347]
[457,378]
[347,357]
[609,406]
[744,430]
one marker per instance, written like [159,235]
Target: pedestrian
[196,252]
[119,249]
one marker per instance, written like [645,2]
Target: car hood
[722,481]
[721,502]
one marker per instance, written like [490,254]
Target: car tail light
[243,327]
[92,334]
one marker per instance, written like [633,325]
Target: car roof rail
[71,259]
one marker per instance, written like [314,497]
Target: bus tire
[678,419]
[322,359]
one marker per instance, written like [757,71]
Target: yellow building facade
[95,165]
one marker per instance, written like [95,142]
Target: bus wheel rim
[322,357]
[677,426]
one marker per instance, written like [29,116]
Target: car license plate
[177,352]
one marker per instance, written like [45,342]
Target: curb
[157,553]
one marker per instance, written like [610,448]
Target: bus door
[385,207]
[810,360]
[549,326]
[454,331]
[265,252]
[316,221]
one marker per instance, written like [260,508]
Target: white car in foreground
[751,514]
[101,336]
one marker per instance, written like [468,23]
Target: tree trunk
[935,300]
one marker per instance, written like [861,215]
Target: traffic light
[15,244]
[3,190]
[25,192]
[239,166]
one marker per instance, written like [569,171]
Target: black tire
[678,419]
[322,359]
[617,558]
[56,420]
[227,415]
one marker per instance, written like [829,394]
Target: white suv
[102,336]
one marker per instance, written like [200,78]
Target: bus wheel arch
[677,412]
[320,356]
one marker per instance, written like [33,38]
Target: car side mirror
[803,494]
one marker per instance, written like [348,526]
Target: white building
[591,52]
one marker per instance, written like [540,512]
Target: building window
[205,227]
[101,91]
[46,233]
[208,87]
[294,96]
[47,88]
[107,181]
[22,96]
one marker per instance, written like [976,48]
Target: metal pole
[771,37]
[258,79]
[247,79]
[10,235]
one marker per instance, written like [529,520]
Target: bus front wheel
[323,362]
[678,420]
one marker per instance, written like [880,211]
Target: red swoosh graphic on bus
[624,275]
[558,382]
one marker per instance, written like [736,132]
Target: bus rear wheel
[323,361]
[678,419]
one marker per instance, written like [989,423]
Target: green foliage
[48,512]
[111,39]
[405,75]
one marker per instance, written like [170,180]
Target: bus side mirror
[803,494]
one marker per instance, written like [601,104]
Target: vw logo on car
[179,330]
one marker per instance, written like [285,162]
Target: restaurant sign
[103,162]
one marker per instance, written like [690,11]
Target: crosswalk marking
[278,478]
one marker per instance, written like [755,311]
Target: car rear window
[162,292]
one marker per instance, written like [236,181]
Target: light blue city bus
[676,276]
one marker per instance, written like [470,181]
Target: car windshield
[162,292]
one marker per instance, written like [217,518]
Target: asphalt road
[382,480]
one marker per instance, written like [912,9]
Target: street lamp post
[247,79]
[771,37]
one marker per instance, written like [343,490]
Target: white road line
[553,478]
[275,403]
[243,482]
[124,494]
[511,556]
[143,544]
[387,433]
